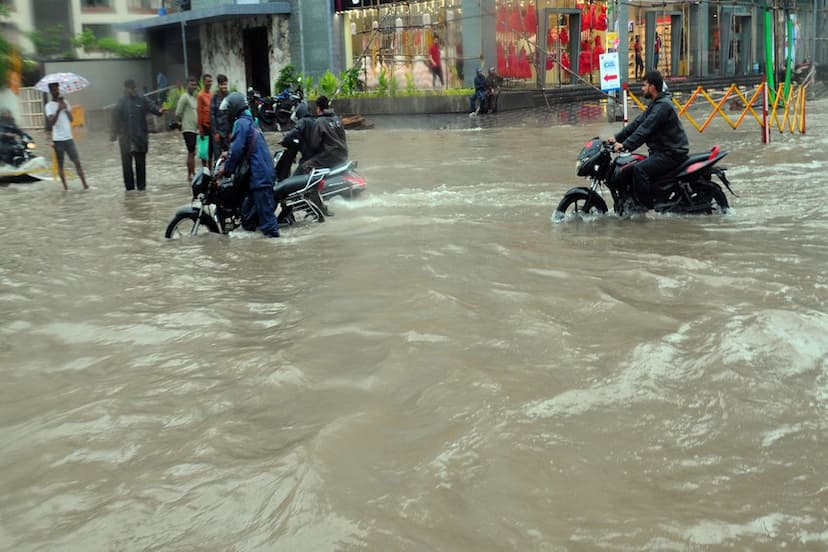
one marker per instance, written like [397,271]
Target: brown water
[437,367]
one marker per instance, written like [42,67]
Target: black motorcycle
[217,203]
[689,189]
[18,161]
[341,181]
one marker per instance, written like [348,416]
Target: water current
[439,366]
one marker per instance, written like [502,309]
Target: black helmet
[233,104]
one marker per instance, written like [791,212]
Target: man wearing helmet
[248,143]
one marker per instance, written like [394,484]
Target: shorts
[66,147]
[190,141]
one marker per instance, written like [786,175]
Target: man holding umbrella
[59,119]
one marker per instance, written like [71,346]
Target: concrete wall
[222,47]
[312,39]
[106,78]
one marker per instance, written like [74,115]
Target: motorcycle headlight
[31,146]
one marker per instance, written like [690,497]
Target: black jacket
[129,122]
[219,117]
[659,127]
[328,140]
[301,136]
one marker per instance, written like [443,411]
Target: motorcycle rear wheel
[182,225]
[717,199]
[580,203]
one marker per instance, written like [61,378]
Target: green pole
[769,66]
[789,27]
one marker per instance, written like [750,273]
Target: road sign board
[610,72]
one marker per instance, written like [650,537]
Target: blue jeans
[478,95]
[265,207]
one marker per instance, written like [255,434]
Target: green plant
[307,85]
[410,88]
[288,77]
[392,85]
[172,98]
[328,83]
[350,81]
[49,41]
[382,83]
[88,41]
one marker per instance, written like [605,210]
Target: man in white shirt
[59,119]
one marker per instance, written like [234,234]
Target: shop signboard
[610,72]
[612,41]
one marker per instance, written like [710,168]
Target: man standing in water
[660,128]
[59,119]
[218,118]
[185,112]
[129,127]
[204,127]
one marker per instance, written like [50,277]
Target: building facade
[69,18]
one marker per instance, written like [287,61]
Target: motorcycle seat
[289,185]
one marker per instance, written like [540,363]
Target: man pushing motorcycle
[248,144]
[659,127]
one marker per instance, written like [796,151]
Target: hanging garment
[600,22]
[586,17]
[597,50]
[515,21]
[501,26]
[530,22]
[585,59]
[564,35]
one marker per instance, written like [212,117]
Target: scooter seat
[342,168]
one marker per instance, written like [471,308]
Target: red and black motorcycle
[689,189]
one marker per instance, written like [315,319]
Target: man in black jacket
[298,141]
[328,139]
[129,127]
[659,127]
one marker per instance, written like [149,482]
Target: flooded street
[439,366]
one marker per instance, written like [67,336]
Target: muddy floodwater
[439,366]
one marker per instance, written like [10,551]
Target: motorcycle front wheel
[580,202]
[184,225]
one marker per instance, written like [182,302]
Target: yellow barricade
[785,113]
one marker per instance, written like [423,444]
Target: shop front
[395,40]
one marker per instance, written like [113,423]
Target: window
[107,4]
[144,5]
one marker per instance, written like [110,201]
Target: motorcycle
[217,203]
[688,189]
[19,162]
[275,113]
[340,181]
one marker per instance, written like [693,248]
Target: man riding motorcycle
[10,135]
[298,141]
[327,139]
[248,143]
[659,127]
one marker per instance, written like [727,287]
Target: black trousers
[648,171]
[139,177]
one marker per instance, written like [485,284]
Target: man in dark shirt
[328,139]
[659,127]
[129,127]
[218,118]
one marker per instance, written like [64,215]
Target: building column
[479,38]
[700,38]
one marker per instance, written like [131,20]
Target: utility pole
[181,4]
